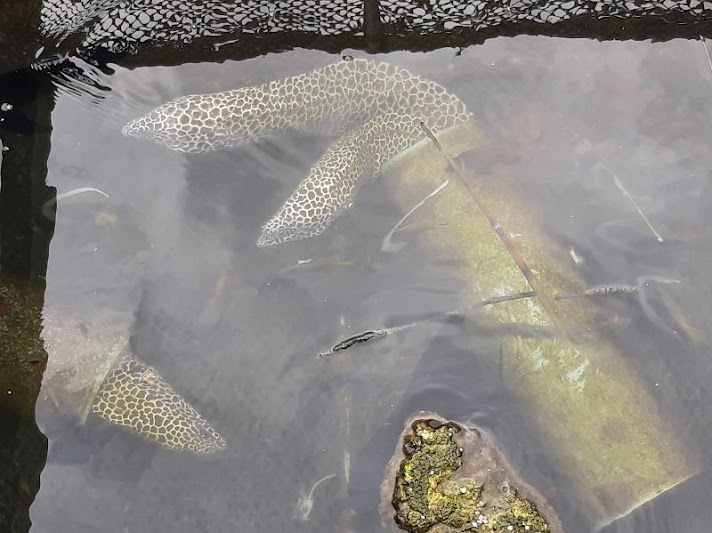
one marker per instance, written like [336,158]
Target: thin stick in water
[598,291]
[47,207]
[546,302]
[380,333]
[707,52]
[388,245]
[630,198]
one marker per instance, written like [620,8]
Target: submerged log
[584,399]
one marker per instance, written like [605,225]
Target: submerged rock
[447,478]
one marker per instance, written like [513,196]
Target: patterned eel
[91,370]
[377,109]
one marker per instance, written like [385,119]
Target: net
[252,27]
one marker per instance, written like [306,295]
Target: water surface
[236,335]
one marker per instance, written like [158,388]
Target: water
[174,245]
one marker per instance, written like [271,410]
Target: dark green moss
[22,354]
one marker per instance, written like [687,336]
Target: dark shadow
[24,247]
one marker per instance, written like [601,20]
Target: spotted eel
[91,370]
[375,108]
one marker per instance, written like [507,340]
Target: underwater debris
[598,290]
[630,198]
[446,477]
[371,334]
[707,52]
[575,257]
[388,245]
[422,225]
[306,501]
[639,288]
[49,204]
[322,262]
[546,302]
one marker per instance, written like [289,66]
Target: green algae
[453,479]
[22,354]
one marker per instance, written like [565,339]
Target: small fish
[4,306]
[306,501]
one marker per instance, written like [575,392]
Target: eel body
[91,370]
[375,109]
[88,369]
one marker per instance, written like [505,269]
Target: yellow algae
[583,396]
[445,477]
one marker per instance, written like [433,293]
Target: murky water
[568,123]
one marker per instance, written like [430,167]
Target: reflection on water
[236,331]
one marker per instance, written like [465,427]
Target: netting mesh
[116,25]
[124,26]
[448,15]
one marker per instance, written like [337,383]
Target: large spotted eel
[377,109]
[91,369]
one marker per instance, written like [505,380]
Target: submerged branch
[388,245]
[639,289]
[546,302]
[47,210]
[707,52]
[380,333]
[630,198]
[599,290]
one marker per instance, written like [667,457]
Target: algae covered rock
[447,478]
